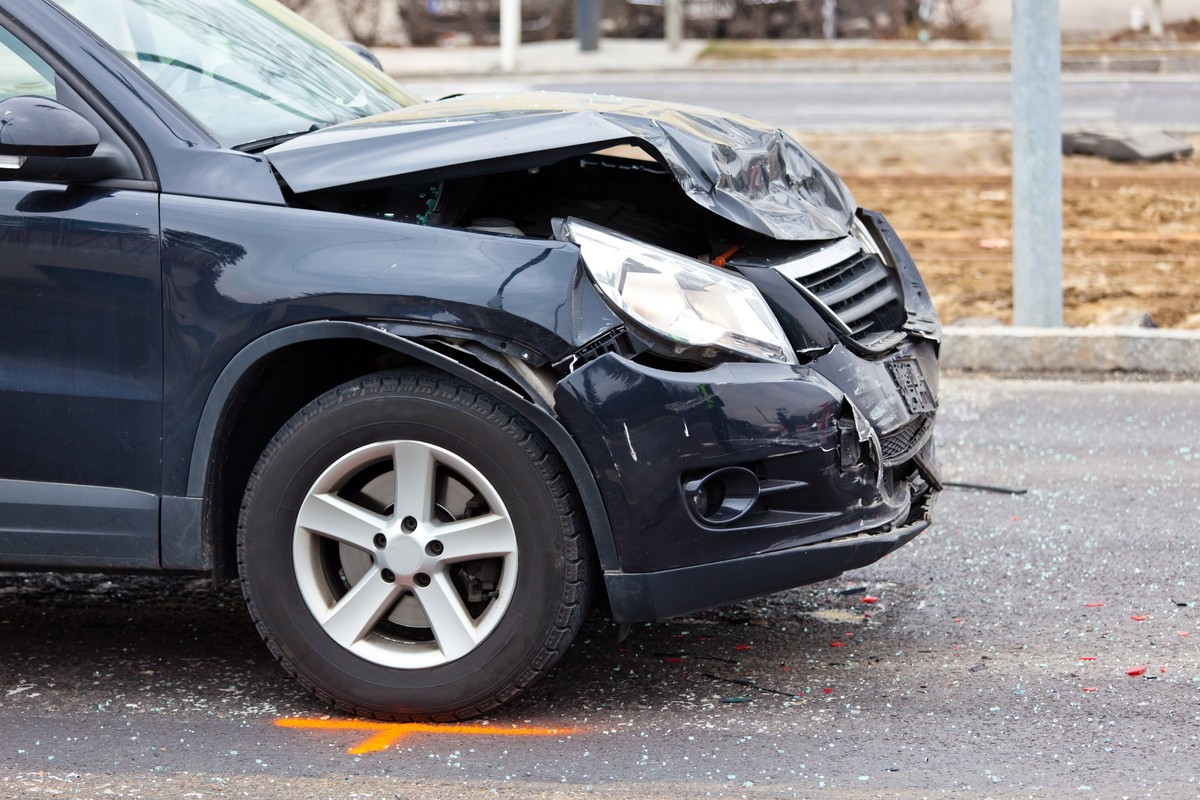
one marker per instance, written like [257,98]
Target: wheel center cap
[405,554]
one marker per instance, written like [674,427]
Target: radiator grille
[855,286]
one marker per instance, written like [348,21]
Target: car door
[80,351]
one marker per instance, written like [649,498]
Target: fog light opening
[722,496]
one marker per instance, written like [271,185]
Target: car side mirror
[43,140]
[37,126]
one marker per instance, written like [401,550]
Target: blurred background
[909,100]
[424,23]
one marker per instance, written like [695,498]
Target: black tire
[535,622]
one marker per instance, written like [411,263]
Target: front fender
[236,272]
[243,363]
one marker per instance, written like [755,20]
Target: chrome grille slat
[812,263]
[857,285]
[857,310]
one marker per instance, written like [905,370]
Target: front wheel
[411,548]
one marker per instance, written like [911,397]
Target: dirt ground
[1131,232]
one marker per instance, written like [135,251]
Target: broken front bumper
[832,495]
[647,596]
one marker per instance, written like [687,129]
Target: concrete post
[673,22]
[1156,19]
[1037,164]
[510,34]
[587,25]
[829,19]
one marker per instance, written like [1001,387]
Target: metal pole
[1037,164]
[673,22]
[587,25]
[510,34]
[829,19]
[1156,19]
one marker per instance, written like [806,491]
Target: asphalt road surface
[993,663]
[879,102]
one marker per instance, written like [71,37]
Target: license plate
[907,375]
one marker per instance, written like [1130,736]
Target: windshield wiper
[259,145]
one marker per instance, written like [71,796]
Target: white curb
[1088,350]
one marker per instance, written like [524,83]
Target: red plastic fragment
[1088,688]
[1182,633]
[1087,658]
[1162,670]
[958,619]
[743,647]
[837,644]
[1135,671]
[1137,618]
[870,598]
[1092,605]
[827,691]
[673,660]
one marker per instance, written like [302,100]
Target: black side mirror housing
[37,126]
[43,140]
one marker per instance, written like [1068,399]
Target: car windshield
[247,69]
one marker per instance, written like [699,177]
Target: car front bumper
[648,596]
[836,499]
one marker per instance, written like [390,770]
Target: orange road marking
[386,734]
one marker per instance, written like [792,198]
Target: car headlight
[689,303]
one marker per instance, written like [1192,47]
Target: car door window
[22,72]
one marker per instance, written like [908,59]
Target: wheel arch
[212,485]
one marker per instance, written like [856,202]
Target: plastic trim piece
[68,526]
[650,596]
[185,543]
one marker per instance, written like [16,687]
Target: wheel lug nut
[380,541]
[421,579]
[409,524]
[389,576]
[434,548]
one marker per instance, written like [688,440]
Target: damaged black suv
[426,375]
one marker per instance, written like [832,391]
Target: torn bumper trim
[649,596]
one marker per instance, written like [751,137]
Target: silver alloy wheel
[389,546]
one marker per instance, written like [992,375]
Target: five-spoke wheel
[405,554]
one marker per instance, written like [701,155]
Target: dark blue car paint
[387,334]
[242,274]
[81,373]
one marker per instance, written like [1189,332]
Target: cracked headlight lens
[689,303]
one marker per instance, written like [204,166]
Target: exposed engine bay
[632,196]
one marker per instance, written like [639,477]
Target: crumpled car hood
[747,172]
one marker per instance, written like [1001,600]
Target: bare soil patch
[1131,232]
